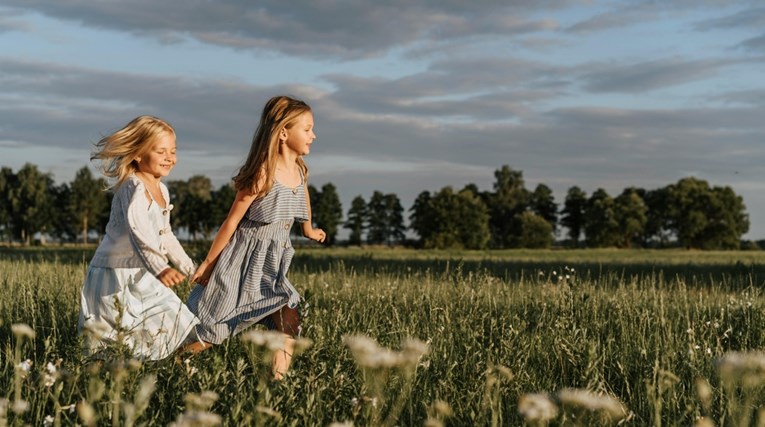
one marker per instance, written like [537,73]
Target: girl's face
[160,158]
[300,136]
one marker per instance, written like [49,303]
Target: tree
[421,216]
[727,219]
[7,182]
[327,213]
[600,225]
[536,231]
[31,205]
[222,199]
[509,199]
[377,219]
[357,215]
[542,203]
[631,216]
[451,220]
[706,218]
[191,205]
[86,200]
[65,225]
[394,213]
[657,225]
[573,213]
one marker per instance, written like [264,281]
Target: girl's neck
[148,179]
[286,161]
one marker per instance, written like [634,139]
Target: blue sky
[408,95]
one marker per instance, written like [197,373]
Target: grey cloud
[81,102]
[615,19]
[10,21]
[749,97]
[636,12]
[749,18]
[756,44]
[343,29]
[649,75]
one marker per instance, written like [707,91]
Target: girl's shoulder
[130,186]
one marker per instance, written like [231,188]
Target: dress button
[287,226]
[294,190]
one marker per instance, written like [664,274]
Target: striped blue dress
[249,281]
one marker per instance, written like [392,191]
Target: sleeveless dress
[249,281]
[133,303]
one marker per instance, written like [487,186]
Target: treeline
[688,213]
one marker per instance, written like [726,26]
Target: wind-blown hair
[117,152]
[280,112]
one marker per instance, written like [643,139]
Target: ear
[137,159]
[282,134]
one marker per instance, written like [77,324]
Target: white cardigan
[129,241]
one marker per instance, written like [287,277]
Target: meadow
[411,338]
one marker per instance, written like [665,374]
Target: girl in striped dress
[126,297]
[243,280]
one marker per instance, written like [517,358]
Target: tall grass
[668,341]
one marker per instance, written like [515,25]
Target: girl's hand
[316,234]
[170,277]
[202,275]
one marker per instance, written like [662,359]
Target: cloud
[755,44]
[747,18]
[9,21]
[315,29]
[650,75]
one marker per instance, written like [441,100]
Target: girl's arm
[242,202]
[316,234]
[141,233]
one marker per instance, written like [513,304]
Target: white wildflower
[746,367]
[442,408]
[51,374]
[97,328]
[202,401]
[271,340]
[22,330]
[19,406]
[190,370]
[196,419]
[703,422]
[537,408]
[48,421]
[592,402]
[87,413]
[24,367]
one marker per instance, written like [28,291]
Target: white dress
[131,305]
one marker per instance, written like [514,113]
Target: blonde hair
[280,112]
[117,152]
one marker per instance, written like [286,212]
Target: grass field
[587,337]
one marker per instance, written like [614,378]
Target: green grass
[641,326]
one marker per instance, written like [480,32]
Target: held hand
[202,275]
[316,234]
[170,277]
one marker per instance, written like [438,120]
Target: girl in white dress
[126,297]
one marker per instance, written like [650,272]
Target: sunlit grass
[617,341]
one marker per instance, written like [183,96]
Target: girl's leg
[286,320]
[196,347]
[193,344]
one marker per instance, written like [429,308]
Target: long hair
[117,152]
[280,112]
